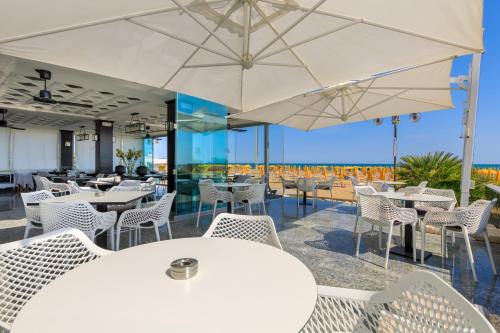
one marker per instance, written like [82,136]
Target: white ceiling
[112,99]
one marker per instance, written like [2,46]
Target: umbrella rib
[322,111]
[222,64]
[379,25]
[355,106]
[273,28]
[379,102]
[228,13]
[199,46]
[265,63]
[304,108]
[99,22]
[290,27]
[360,97]
[410,99]
[204,27]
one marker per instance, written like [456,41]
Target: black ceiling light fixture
[82,134]
[3,122]
[135,125]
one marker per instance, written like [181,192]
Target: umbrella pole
[395,122]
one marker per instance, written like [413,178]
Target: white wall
[35,149]
[4,148]
[84,156]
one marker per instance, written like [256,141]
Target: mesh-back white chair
[288,185]
[440,206]
[253,228]
[367,190]
[59,188]
[471,220]
[152,217]
[255,194]
[242,178]
[419,302]
[77,214]
[29,265]
[122,208]
[130,183]
[379,210]
[305,185]
[209,194]
[75,188]
[38,183]
[354,183]
[33,211]
[379,187]
[419,189]
[327,185]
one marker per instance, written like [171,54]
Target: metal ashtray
[99,194]
[183,269]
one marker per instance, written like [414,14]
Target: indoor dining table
[409,200]
[241,286]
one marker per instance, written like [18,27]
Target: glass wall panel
[201,148]
[148,153]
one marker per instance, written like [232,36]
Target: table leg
[102,239]
[407,249]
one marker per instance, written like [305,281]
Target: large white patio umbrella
[411,90]
[241,53]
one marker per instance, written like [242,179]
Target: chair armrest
[407,215]
[134,216]
[108,220]
[444,218]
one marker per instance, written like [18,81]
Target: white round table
[241,286]
[229,187]
[409,199]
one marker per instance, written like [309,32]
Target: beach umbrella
[406,91]
[240,53]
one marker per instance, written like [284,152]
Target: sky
[366,143]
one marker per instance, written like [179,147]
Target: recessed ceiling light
[21,90]
[106,93]
[103,109]
[133,99]
[65,91]
[15,94]
[33,78]
[56,95]
[74,86]
[122,102]
[112,105]
[7,103]
[27,84]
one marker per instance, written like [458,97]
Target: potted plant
[141,170]
[129,158]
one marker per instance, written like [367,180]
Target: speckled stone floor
[322,239]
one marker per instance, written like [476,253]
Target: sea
[361,165]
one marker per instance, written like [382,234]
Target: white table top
[241,286]
[388,182]
[232,184]
[117,198]
[415,197]
[494,188]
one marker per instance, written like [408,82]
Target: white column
[470,128]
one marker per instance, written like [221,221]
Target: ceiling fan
[4,124]
[45,96]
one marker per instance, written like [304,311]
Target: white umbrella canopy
[241,53]
[413,90]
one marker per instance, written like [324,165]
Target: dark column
[104,146]
[67,150]
[171,129]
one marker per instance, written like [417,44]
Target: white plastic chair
[253,228]
[471,220]
[379,187]
[33,211]
[288,185]
[327,185]
[29,265]
[255,194]
[419,302]
[59,188]
[146,218]
[75,188]
[307,185]
[440,206]
[378,210]
[354,183]
[367,190]
[209,194]
[419,189]
[130,183]
[77,214]
[122,208]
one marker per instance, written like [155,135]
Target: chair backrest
[306,184]
[423,184]
[364,190]
[150,180]
[477,215]
[77,214]
[161,210]
[254,193]
[38,183]
[130,183]
[379,187]
[447,205]
[421,302]
[253,228]
[286,182]
[45,183]
[377,208]
[30,264]
[242,178]
[33,212]
[328,183]
[106,179]
[208,192]
[354,181]
[73,187]
[253,181]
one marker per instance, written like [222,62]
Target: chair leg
[199,213]
[443,242]
[422,251]
[469,253]
[27,230]
[135,235]
[490,254]
[250,208]
[169,230]
[264,208]
[117,243]
[331,195]
[402,233]
[355,224]
[215,210]
[389,237]
[111,233]
[157,232]
[359,237]
[380,237]
[414,239]
[140,235]
[129,237]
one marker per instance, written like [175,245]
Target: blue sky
[436,131]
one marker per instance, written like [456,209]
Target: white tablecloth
[24,179]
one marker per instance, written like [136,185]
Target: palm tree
[440,169]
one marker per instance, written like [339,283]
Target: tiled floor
[322,239]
